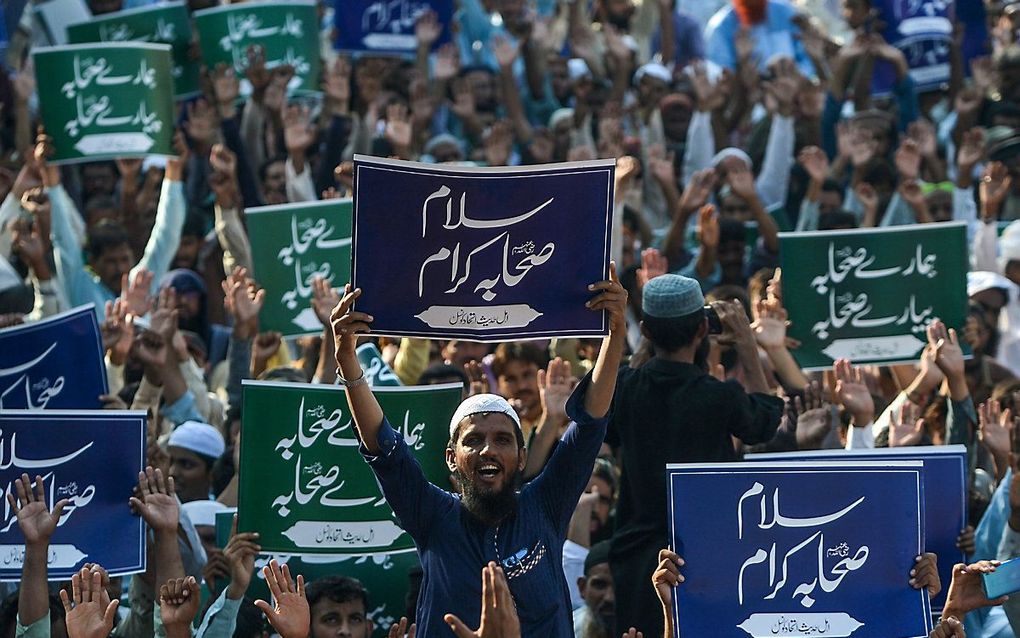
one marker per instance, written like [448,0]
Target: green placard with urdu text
[167,23]
[867,295]
[291,244]
[289,32]
[303,484]
[109,100]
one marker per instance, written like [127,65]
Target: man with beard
[595,619]
[457,534]
[670,410]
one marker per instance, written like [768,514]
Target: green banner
[303,484]
[291,244]
[383,575]
[103,101]
[378,373]
[867,295]
[164,24]
[289,31]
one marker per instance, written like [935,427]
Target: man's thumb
[458,626]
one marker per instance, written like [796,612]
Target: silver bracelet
[351,384]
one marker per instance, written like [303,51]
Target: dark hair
[9,612]
[732,230]
[99,201]
[604,470]
[194,225]
[106,235]
[284,373]
[339,589]
[669,335]
[439,372]
[731,292]
[832,186]
[517,351]
[837,219]
[597,555]
[877,172]
[264,166]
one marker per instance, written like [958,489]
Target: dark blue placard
[56,363]
[922,30]
[90,457]
[386,26]
[833,545]
[945,489]
[482,254]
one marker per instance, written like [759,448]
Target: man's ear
[451,459]
[522,458]
[644,331]
[702,330]
[582,585]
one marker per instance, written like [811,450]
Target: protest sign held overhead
[387,27]
[106,100]
[286,30]
[945,493]
[325,499]
[868,295]
[56,363]
[291,245]
[90,458]
[484,254]
[795,551]
[166,23]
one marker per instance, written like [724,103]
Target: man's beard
[487,506]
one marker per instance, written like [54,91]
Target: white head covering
[203,512]
[655,70]
[577,68]
[483,404]
[200,438]
[732,152]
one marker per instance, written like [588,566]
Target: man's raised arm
[347,324]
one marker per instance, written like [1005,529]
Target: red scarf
[750,12]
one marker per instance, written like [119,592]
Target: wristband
[353,383]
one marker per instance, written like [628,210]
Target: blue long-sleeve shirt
[454,547]
[82,286]
[774,36]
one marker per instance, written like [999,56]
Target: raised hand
[201,123]
[653,264]
[447,63]
[698,190]
[427,30]
[667,576]
[995,186]
[478,381]
[925,574]
[255,70]
[741,180]
[240,553]
[612,299]
[89,612]
[118,331]
[336,85]
[401,629]
[289,615]
[948,627]
[555,384]
[906,427]
[852,392]
[498,143]
[158,504]
[178,605]
[814,417]
[708,96]
[505,50]
[298,132]
[324,298]
[243,299]
[770,326]
[966,590]
[499,615]
[225,85]
[948,355]
[995,429]
[35,519]
[908,160]
[347,324]
[815,162]
[134,292]
[708,227]
[398,128]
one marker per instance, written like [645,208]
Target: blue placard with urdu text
[485,254]
[945,494]
[92,459]
[386,26]
[55,363]
[788,550]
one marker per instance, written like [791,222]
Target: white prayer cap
[200,438]
[483,404]
[560,115]
[203,512]
[655,70]
[980,280]
[577,68]
[1009,245]
[732,152]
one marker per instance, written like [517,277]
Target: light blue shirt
[774,36]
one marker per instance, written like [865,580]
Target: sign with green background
[167,23]
[291,244]
[304,486]
[289,32]
[868,295]
[103,101]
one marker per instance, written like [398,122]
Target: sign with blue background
[56,363]
[386,26]
[945,494]
[922,30]
[789,550]
[486,254]
[90,458]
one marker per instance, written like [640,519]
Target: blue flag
[945,494]
[56,363]
[482,254]
[386,26]
[787,550]
[90,458]
[923,31]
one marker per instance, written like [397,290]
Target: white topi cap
[483,404]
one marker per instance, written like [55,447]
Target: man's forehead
[487,421]
[327,605]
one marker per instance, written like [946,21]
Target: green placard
[306,489]
[291,244]
[378,373]
[164,23]
[383,575]
[289,31]
[867,295]
[102,101]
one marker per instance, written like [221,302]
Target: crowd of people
[721,116]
